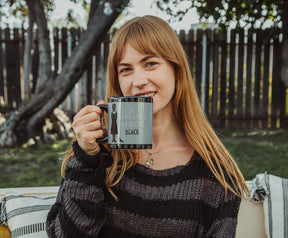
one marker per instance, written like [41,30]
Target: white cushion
[26,215]
[250,220]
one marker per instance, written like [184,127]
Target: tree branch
[45,72]
[75,66]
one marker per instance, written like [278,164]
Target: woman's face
[147,75]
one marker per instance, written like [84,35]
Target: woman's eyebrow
[148,57]
[123,64]
[141,61]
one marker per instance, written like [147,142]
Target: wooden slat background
[242,84]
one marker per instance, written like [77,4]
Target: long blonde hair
[150,34]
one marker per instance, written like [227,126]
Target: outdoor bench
[26,209]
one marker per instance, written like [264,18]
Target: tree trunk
[27,123]
[45,62]
[27,62]
[284,66]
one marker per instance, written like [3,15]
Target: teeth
[148,95]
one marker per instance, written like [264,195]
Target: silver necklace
[150,161]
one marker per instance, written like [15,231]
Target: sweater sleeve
[225,217]
[79,209]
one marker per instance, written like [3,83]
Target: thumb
[100,102]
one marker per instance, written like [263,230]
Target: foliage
[73,19]
[246,13]
[18,10]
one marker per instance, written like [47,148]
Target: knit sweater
[185,201]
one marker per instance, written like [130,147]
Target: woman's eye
[150,64]
[124,70]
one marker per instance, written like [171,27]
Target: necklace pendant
[149,162]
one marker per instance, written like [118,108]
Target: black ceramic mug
[130,122]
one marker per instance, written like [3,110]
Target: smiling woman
[147,75]
[187,185]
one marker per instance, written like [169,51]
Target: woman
[191,188]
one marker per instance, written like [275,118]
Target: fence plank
[35,63]
[182,39]
[258,53]
[82,95]
[98,73]
[89,82]
[266,66]
[28,44]
[282,98]
[231,95]
[223,46]
[71,43]
[208,57]
[283,115]
[190,51]
[18,52]
[64,53]
[198,66]
[275,84]
[106,53]
[1,69]
[240,76]
[13,68]
[56,50]
[248,93]
[214,117]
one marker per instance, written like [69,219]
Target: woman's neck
[170,147]
[165,131]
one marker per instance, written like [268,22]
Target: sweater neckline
[164,172]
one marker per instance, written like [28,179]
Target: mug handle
[105,108]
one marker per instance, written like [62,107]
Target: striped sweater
[185,201]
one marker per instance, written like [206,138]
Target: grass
[29,166]
[255,151]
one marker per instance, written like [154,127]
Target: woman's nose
[140,79]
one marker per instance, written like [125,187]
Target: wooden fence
[237,74]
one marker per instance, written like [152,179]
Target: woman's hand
[87,126]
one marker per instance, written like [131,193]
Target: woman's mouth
[151,94]
[148,95]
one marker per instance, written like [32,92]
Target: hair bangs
[141,41]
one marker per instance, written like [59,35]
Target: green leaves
[255,13]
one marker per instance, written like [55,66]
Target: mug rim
[130,99]
[129,146]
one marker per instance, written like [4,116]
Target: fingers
[89,109]
[79,127]
[86,119]
[87,125]
[100,102]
